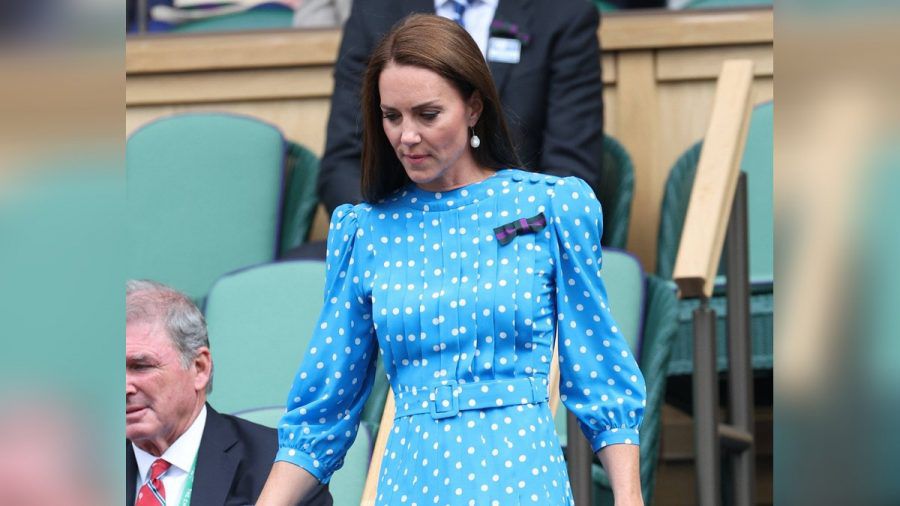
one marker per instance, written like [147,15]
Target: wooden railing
[717,173]
[718,208]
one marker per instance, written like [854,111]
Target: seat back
[605,6]
[676,196]
[204,198]
[300,201]
[346,483]
[615,193]
[757,164]
[260,322]
[265,18]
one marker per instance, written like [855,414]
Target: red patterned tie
[153,493]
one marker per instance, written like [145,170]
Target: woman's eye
[390,116]
[430,115]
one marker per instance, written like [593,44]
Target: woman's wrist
[628,498]
[622,464]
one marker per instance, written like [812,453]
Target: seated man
[179,448]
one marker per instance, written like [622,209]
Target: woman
[458,271]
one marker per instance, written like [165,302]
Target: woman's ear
[475,106]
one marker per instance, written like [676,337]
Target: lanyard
[189,485]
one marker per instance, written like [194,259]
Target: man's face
[161,396]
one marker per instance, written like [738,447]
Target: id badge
[504,50]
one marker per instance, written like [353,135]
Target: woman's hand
[286,485]
[622,465]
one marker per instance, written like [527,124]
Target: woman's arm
[286,485]
[622,465]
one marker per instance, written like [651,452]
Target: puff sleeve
[599,378]
[337,371]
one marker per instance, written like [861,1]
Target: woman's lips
[415,158]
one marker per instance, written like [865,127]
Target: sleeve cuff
[615,437]
[300,459]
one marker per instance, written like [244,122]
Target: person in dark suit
[544,57]
[179,450]
[232,463]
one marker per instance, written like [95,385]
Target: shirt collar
[180,454]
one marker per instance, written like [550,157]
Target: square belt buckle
[445,403]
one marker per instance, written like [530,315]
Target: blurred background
[62,250]
[836,189]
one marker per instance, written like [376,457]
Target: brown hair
[445,48]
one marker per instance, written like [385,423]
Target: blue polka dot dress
[461,293]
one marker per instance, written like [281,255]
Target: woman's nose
[409,136]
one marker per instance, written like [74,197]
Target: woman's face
[427,122]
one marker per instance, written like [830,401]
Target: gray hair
[152,302]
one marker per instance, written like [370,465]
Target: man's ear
[476,106]
[203,368]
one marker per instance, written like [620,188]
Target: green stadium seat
[347,483]
[260,324]
[644,309]
[206,196]
[603,6]
[256,19]
[758,165]
[615,193]
[300,201]
[676,195]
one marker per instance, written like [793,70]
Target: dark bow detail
[506,233]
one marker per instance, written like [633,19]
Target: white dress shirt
[477,18]
[181,455]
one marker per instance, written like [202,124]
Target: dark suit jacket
[552,97]
[233,463]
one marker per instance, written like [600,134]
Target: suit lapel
[517,12]
[216,465]
[131,472]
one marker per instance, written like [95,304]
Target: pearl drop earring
[474,141]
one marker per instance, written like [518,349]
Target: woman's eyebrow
[430,103]
[423,105]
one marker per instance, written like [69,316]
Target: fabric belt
[448,399]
